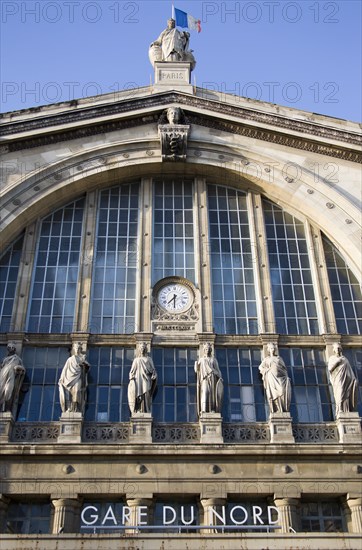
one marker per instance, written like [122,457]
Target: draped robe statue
[12,374]
[142,382]
[172,45]
[276,381]
[344,381]
[210,386]
[73,382]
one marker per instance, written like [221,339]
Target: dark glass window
[234,303]
[175,396]
[173,230]
[55,277]
[9,268]
[311,394]
[115,264]
[108,379]
[345,290]
[291,279]
[244,399]
[39,398]
[28,518]
[322,517]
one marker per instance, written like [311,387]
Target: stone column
[4,503]
[202,246]
[289,518]
[65,515]
[144,263]
[140,513]
[355,506]
[213,511]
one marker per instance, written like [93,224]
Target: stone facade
[305,163]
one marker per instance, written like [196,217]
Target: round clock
[174,297]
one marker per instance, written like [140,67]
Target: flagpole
[173,12]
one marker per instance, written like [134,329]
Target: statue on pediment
[142,381]
[12,374]
[210,385]
[172,45]
[344,381]
[276,381]
[73,381]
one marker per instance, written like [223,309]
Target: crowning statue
[12,374]
[210,385]
[172,45]
[73,381]
[276,381]
[142,381]
[344,381]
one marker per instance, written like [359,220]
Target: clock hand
[173,300]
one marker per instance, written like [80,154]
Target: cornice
[160,101]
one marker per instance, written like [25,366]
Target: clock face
[174,297]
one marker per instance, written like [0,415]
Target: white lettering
[109,515]
[93,517]
[257,511]
[192,514]
[165,508]
[221,518]
[142,512]
[126,515]
[270,520]
[235,522]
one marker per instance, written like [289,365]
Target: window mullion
[323,297]
[260,258]
[25,276]
[81,314]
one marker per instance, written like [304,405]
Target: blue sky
[303,54]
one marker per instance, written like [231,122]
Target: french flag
[186,20]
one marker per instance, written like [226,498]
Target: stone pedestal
[288,514]
[211,428]
[172,75]
[6,426]
[65,515]
[349,428]
[70,427]
[140,428]
[280,424]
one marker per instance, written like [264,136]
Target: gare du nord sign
[123,517]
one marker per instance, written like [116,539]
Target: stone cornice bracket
[173,135]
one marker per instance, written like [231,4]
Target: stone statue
[142,381]
[172,45]
[173,134]
[12,375]
[276,381]
[73,381]
[210,385]
[344,381]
